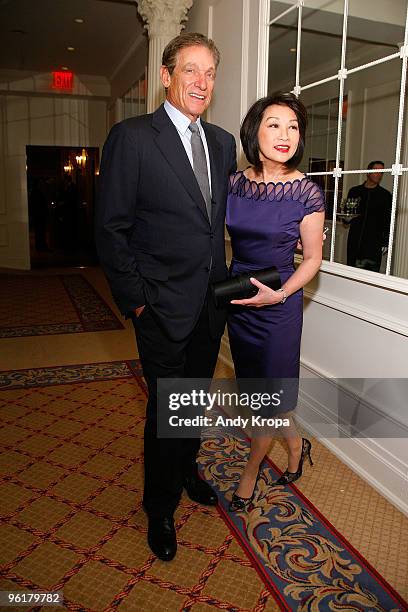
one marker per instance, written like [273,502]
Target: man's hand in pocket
[139,310]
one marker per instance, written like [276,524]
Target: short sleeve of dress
[315,201]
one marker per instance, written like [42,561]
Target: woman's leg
[259,448]
[294,444]
[298,449]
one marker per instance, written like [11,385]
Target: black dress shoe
[288,477]
[200,491]
[238,503]
[161,537]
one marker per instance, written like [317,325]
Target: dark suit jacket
[153,235]
[369,231]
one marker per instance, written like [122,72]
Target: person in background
[160,239]
[369,231]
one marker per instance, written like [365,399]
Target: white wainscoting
[378,461]
[383,462]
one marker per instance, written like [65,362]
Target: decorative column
[163,19]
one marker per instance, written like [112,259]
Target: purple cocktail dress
[263,222]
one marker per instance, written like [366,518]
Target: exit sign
[62,79]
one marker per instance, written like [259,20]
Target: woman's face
[278,134]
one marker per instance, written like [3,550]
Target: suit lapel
[216,166]
[169,143]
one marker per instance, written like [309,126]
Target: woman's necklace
[274,179]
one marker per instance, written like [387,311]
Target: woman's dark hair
[252,121]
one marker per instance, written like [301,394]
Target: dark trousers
[167,461]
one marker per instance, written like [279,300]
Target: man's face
[190,86]
[376,177]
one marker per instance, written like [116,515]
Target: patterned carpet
[301,556]
[70,502]
[33,305]
[71,517]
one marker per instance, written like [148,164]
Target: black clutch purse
[240,287]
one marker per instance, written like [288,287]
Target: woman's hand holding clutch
[241,288]
[265,296]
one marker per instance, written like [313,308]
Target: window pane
[399,265]
[277,8]
[374,33]
[369,119]
[320,146]
[321,41]
[372,115]
[282,53]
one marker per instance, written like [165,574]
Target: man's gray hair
[187,39]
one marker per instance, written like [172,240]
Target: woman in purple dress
[271,206]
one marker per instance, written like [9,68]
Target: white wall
[233,24]
[359,331]
[34,118]
[211,18]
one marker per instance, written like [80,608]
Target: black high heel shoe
[238,503]
[287,476]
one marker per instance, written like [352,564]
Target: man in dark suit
[369,231]
[160,238]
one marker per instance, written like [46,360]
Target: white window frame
[375,278]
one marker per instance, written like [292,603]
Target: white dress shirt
[181,123]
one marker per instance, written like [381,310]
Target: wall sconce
[81,159]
